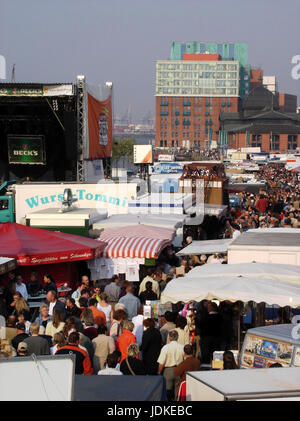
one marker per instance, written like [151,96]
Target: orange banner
[100,127]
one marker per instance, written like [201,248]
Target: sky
[120,40]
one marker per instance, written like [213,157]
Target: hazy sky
[120,40]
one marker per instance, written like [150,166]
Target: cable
[38,368]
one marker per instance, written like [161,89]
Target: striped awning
[142,247]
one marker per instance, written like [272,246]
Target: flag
[100,127]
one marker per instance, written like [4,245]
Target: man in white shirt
[113,290]
[21,287]
[155,284]
[171,355]
[111,367]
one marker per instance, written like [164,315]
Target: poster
[262,353]
[259,362]
[100,127]
[285,352]
[132,272]
[269,349]
[297,358]
[247,361]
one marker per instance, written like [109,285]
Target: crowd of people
[104,326]
[105,329]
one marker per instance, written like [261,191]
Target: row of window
[256,141]
[184,66]
[197,91]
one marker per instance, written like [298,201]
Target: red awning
[142,247]
[34,246]
[143,241]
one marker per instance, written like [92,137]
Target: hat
[22,346]
[20,326]
[261,218]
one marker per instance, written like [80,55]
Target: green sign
[21,91]
[26,150]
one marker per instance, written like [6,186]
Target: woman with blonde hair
[56,324]
[58,342]
[131,365]
[19,304]
[106,308]
[44,316]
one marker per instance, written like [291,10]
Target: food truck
[267,345]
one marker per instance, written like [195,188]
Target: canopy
[205,247]
[34,246]
[232,288]
[166,221]
[136,241]
[141,247]
[140,230]
[7,264]
[282,272]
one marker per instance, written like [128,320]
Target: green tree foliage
[123,149]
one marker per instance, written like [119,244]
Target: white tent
[206,247]
[276,271]
[232,288]
[121,220]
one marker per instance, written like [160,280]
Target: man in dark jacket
[21,335]
[50,285]
[55,304]
[83,363]
[211,331]
[148,294]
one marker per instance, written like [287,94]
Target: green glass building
[227,50]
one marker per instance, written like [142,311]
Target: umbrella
[34,246]
[232,288]
[274,271]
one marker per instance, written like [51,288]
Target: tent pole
[239,330]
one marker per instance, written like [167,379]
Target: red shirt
[99,316]
[262,205]
[124,340]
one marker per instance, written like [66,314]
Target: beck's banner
[100,127]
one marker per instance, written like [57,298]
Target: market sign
[26,150]
[21,91]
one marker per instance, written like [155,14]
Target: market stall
[205,247]
[7,264]
[268,245]
[45,251]
[127,248]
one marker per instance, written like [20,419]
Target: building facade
[260,123]
[190,94]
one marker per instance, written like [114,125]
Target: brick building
[190,94]
[260,123]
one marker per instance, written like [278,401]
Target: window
[274,142]
[161,143]
[292,142]
[256,140]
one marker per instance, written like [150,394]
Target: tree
[123,149]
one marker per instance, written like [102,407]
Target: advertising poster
[26,150]
[284,352]
[297,358]
[259,362]
[100,127]
[253,345]
[247,361]
[262,353]
[269,349]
